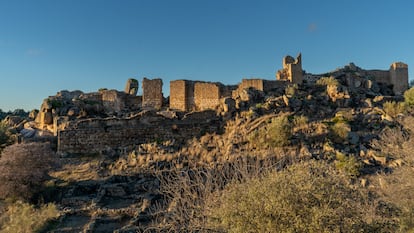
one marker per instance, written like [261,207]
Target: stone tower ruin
[292,70]
[152,93]
[399,77]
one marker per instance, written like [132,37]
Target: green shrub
[409,96]
[23,217]
[306,197]
[277,133]
[348,164]
[393,108]
[327,81]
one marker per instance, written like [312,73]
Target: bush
[189,192]
[409,96]
[300,121]
[340,131]
[23,217]
[393,108]
[306,197]
[277,133]
[327,81]
[23,169]
[348,164]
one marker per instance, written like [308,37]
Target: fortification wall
[381,76]
[206,95]
[97,135]
[252,83]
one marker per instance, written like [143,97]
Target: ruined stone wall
[252,83]
[133,102]
[97,135]
[399,77]
[188,95]
[206,95]
[381,76]
[182,95]
[152,97]
[93,97]
[113,100]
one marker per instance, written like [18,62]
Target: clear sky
[52,45]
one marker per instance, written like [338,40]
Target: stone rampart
[97,135]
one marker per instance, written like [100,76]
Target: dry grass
[393,108]
[306,197]
[189,192]
[327,81]
[25,218]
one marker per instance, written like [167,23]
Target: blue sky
[52,45]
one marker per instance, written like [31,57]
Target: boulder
[13,120]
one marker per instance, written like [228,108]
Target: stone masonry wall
[206,95]
[260,84]
[381,76]
[152,93]
[254,83]
[113,100]
[97,135]
[182,95]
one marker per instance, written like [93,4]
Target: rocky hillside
[356,126]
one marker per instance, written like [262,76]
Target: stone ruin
[152,97]
[396,77]
[292,70]
[131,86]
[186,95]
[111,118]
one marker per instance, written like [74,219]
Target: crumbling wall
[188,95]
[292,70]
[152,97]
[97,135]
[113,101]
[397,76]
[206,95]
[381,76]
[182,95]
[260,84]
[252,83]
